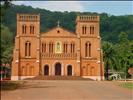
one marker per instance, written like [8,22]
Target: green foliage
[110,26]
[118,57]
[128,85]
[124,53]
[108,56]
[6,45]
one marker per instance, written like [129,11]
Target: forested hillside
[110,26]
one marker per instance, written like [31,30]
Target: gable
[58,32]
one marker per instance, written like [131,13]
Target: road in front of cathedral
[68,90]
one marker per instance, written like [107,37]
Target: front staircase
[58,78]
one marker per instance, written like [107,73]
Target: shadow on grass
[35,86]
[10,85]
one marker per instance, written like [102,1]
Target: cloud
[111,7]
[53,5]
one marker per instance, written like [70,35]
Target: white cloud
[18,2]
[54,5]
[111,7]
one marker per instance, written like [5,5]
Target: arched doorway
[69,70]
[57,69]
[46,70]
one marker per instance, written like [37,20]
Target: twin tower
[57,52]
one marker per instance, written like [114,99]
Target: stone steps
[58,78]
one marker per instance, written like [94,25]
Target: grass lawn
[10,85]
[128,85]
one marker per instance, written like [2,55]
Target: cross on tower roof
[58,23]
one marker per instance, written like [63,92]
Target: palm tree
[108,57]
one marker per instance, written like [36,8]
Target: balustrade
[59,55]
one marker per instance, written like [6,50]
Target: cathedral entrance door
[57,69]
[69,70]
[46,70]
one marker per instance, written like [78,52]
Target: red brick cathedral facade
[57,51]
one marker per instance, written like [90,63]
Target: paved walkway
[68,90]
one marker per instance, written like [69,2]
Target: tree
[6,45]
[110,26]
[108,56]
[124,53]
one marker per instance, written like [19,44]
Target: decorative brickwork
[58,51]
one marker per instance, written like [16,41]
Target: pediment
[58,32]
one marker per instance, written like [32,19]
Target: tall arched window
[27,49]
[72,47]
[32,28]
[65,47]
[24,28]
[91,29]
[51,47]
[87,49]
[26,45]
[43,47]
[84,30]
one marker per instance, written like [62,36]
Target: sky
[110,7]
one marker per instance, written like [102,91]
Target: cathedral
[57,52]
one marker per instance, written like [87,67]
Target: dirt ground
[68,90]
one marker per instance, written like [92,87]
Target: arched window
[87,49]
[72,47]
[51,47]
[27,49]
[65,47]
[24,28]
[43,47]
[32,29]
[86,53]
[26,45]
[84,30]
[91,29]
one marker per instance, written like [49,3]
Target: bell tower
[87,26]
[87,30]
[28,24]
[26,60]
